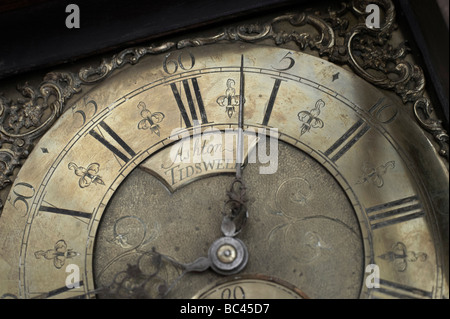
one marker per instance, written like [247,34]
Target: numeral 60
[173,64]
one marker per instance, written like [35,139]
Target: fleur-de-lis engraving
[150,120]
[310,119]
[374,175]
[230,100]
[58,254]
[87,175]
[400,256]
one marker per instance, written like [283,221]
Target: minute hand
[240,142]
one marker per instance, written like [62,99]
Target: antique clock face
[124,195]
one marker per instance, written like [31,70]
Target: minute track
[54,181]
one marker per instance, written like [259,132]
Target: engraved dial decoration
[342,197]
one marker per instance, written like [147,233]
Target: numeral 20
[237,293]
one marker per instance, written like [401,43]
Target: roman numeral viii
[192,99]
[397,211]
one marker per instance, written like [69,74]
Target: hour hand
[235,209]
[199,265]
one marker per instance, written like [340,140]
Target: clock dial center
[226,254]
[284,237]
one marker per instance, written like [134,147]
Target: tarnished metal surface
[342,196]
[338,34]
[301,228]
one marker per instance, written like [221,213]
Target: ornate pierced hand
[235,208]
[155,274]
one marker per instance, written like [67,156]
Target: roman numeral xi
[107,136]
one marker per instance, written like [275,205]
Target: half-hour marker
[116,138]
[87,175]
[230,100]
[63,211]
[335,76]
[191,102]
[59,254]
[271,103]
[394,212]
[346,141]
[396,290]
[310,119]
[150,120]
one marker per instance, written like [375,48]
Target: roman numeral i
[271,103]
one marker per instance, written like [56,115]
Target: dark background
[33,35]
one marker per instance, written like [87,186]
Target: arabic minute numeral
[170,65]
[386,113]
[286,60]
[237,293]
[83,114]
[23,192]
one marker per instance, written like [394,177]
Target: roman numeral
[346,141]
[110,132]
[59,291]
[394,212]
[271,103]
[396,290]
[62,211]
[191,102]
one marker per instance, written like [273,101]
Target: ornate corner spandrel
[340,35]
[22,121]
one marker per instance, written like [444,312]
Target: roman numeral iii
[397,211]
